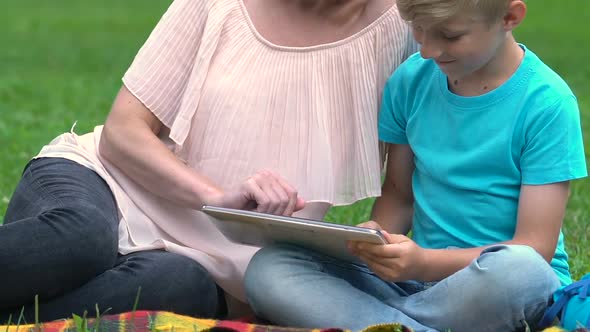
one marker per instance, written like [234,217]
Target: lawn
[61,61]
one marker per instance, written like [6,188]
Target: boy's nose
[429,51]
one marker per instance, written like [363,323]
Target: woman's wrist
[208,195]
[202,191]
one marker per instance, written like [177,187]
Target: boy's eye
[452,37]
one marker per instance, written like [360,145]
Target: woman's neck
[337,12]
[301,23]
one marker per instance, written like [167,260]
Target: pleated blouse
[234,103]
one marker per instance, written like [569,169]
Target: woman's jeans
[60,241]
[499,291]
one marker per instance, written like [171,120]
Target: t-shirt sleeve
[161,70]
[392,119]
[554,149]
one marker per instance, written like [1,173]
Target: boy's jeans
[60,241]
[499,291]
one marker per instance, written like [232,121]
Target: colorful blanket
[160,321]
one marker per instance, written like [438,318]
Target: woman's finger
[289,192]
[277,198]
[282,199]
[253,192]
[291,196]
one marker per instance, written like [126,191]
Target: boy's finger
[394,238]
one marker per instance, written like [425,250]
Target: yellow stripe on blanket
[161,321]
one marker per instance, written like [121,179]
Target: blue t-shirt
[472,154]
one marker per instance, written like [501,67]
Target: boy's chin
[448,72]
[447,68]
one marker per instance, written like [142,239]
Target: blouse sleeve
[166,72]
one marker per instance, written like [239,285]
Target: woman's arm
[129,141]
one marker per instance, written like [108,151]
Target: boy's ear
[514,15]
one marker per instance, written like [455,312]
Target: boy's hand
[402,259]
[370,224]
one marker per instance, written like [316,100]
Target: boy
[483,139]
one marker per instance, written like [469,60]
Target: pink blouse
[234,103]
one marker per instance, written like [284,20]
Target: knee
[505,261]
[183,283]
[520,272]
[266,258]
[90,236]
[266,272]
[260,269]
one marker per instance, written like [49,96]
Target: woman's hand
[399,260]
[265,191]
[130,141]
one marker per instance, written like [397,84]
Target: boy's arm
[541,210]
[540,215]
[554,153]
[394,208]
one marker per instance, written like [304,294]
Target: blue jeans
[60,241]
[500,290]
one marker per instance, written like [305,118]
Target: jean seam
[322,260]
[343,264]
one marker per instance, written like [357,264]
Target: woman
[265,105]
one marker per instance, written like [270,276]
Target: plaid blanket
[160,321]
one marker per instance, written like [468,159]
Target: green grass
[61,61]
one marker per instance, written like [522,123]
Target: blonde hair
[432,12]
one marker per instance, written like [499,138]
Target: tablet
[262,229]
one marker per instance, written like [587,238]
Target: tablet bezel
[262,229]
